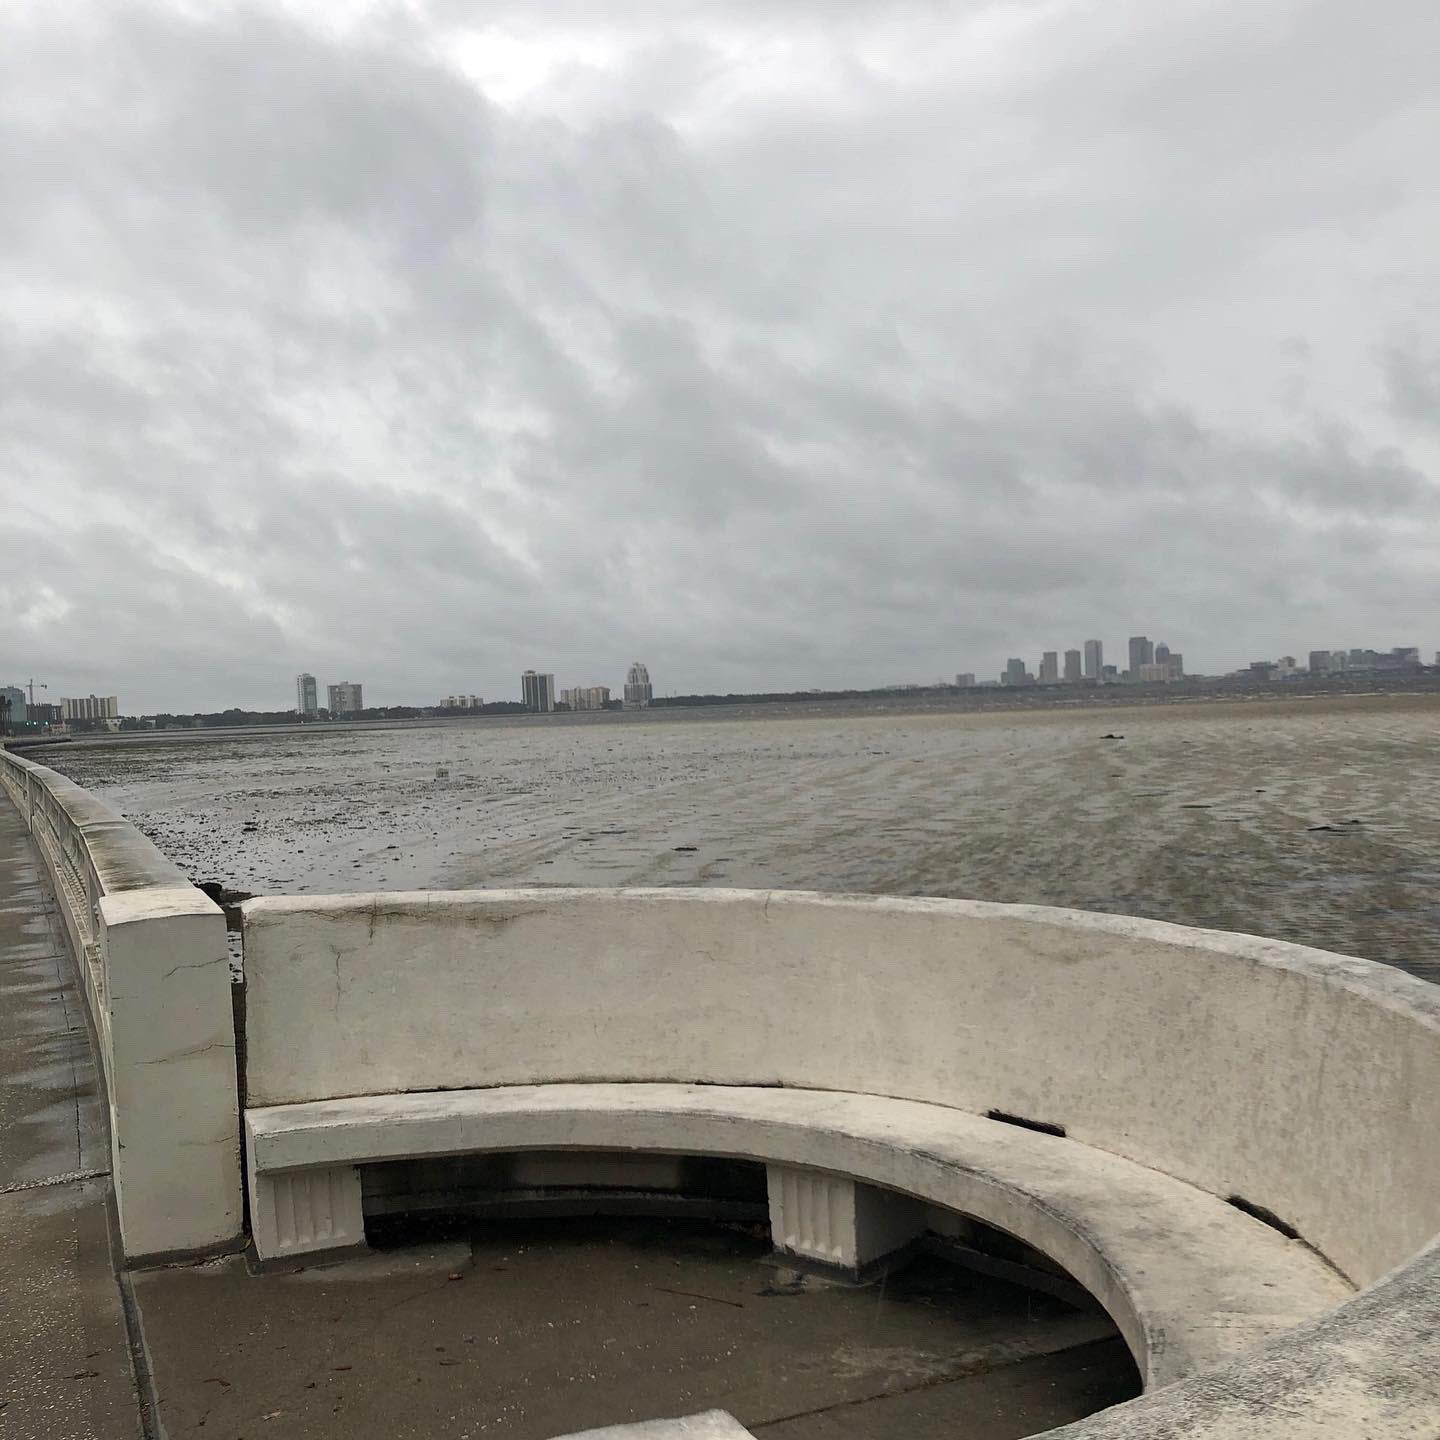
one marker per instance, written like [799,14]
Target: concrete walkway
[65,1368]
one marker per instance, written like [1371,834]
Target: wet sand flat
[1209,814]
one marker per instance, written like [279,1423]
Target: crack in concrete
[196,965]
[70,1177]
[186,1054]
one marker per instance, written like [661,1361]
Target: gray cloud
[781,344]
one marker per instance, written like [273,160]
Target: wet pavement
[65,1367]
[526,1329]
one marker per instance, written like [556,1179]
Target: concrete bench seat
[1191,1281]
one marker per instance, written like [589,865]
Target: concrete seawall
[152,956]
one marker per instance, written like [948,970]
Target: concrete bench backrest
[1305,1083]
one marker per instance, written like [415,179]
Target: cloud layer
[781,344]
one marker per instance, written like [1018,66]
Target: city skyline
[392,689]
[1088,658]
[539,694]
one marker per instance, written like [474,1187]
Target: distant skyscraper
[965,680]
[638,691]
[1142,652]
[586,697]
[16,696]
[1094,660]
[346,698]
[1321,662]
[307,695]
[1049,669]
[1177,665]
[1072,667]
[1014,672]
[90,707]
[537,692]
[1162,652]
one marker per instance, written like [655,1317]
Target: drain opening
[1044,1127]
[1264,1216]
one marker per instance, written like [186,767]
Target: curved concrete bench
[1186,1068]
[1190,1280]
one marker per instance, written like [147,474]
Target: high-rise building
[1154,673]
[1142,652]
[1177,665]
[461,702]
[1094,660]
[1014,672]
[638,691]
[537,692]
[90,707]
[16,696]
[1072,667]
[346,698]
[1321,662]
[1162,652]
[965,680]
[586,697]
[307,696]
[1049,668]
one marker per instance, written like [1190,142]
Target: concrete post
[168,1036]
[834,1221]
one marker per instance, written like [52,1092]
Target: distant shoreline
[1054,699]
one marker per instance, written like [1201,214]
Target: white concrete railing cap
[123,858]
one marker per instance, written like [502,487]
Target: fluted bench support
[833,1221]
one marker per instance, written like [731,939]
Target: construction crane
[30,685]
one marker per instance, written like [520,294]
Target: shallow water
[1201,814]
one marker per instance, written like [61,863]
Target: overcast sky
[778,343]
